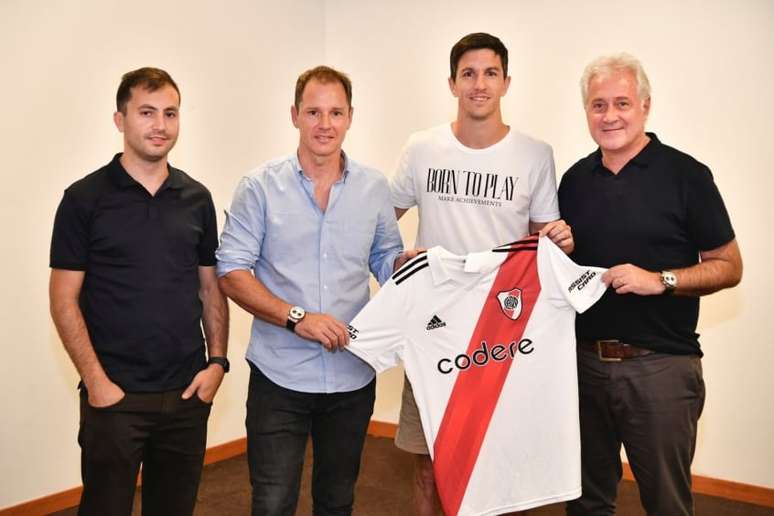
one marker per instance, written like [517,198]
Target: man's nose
[610,114]
[159,121]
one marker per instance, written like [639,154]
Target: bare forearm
[253,296]
[72,331]
[215,321]
[707,277]
[719,268]
[64,292]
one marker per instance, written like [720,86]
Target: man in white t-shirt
[477,184]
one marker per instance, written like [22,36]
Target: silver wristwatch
[669,280]
[295,315]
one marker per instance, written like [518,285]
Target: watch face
[297,313]
[669,279]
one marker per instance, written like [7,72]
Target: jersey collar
[446,266]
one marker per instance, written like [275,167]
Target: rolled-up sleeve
[387,243]
[243,231]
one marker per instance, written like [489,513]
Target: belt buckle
[603,358]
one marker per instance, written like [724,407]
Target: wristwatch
[295,315]
[221,361]
[669,280]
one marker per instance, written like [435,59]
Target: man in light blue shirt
[310,227]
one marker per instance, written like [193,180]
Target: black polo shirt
[657,213]
[141,255]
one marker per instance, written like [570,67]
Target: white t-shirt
[475,199]
[488,343]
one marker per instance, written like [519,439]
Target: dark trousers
[279,423]
[165,433]
[651,405]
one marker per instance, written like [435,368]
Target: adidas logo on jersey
[435,323]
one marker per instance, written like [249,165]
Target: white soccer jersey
[488,343]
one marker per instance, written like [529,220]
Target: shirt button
[325,255]
[325,287]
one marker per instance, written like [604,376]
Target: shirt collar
[123,180]
[643,158]
[447,266]
[175,180]
[297,167]
[646,155]
[119,174]
[438,269]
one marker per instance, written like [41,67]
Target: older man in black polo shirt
[654,216]
[133,278]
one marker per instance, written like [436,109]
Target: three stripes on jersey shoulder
[410,268]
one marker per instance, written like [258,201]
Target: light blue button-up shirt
[310,258]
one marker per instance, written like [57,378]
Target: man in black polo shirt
[132,281]
[654,216]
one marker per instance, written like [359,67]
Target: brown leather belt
[610,350]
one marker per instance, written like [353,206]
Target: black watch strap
[290,324]
[221,361]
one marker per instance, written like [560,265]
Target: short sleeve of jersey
[375,334]
[402,188]
[544,206]
[209,242]
[708,219]
[70,238]
[570,284]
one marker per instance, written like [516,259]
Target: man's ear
[452,86]
[118,119]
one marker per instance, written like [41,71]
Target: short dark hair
[324,74]
[149,78]
[476,41]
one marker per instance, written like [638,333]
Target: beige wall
[711,66]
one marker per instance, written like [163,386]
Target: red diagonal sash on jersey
[477,389]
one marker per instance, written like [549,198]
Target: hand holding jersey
[325,329]
[560,233]
[654,215]
[630,279]
[303,236]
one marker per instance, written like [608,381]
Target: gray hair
[606,65]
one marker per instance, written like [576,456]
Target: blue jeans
[279,423]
